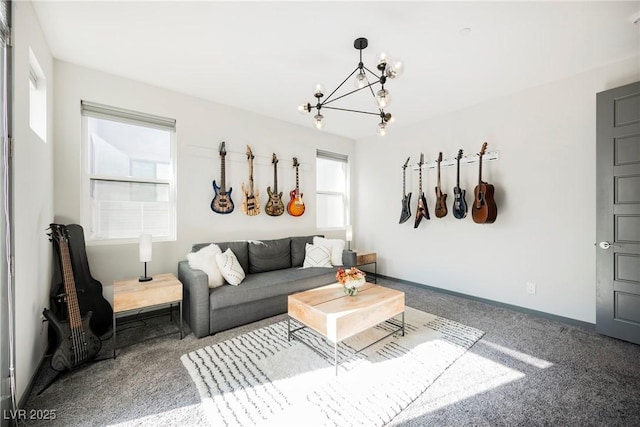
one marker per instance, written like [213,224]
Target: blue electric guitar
[222,202]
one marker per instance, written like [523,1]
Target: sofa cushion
[205,260]
[240,250]
[230,267]
[269,255]
[298,249]
[256,287]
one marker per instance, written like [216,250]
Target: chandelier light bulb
[361,80]
[383,98]
[382,129]
[394,69]
[304,108]
[318,121]
[318,90]
[383,60]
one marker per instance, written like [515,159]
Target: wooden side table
[132,294]
[365,258]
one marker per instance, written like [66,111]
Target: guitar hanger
[489,156]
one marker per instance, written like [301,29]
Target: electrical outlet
[531,288]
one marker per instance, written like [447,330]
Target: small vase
[350,291]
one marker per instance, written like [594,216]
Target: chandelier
[364,79]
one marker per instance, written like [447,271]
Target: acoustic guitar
[484,209]
[459,207]
[423,209]
[295,207]
[406,198]
[222,202]
[251,199]
[76,342]
[274,206]
[441,198]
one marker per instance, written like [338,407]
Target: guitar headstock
[222,150]
[439,157]
[249,153]
[295,162]
[274,159]
[406,163]
[484,148]
[459,154]
[421,162]
[59,233]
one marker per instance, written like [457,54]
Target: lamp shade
[349,233]
[145,247]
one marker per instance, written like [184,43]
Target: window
[37,98]
[332,180]
[129,174]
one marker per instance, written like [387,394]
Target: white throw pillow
[205,260]
[230,267]
[316,256]
[335,246]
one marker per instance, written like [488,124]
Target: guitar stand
[67,371]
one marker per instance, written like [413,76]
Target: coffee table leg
[335,356]
[403,323]
[289,329]
[114,335]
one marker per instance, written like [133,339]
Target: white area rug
[261,379]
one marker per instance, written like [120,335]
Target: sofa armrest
[195,303]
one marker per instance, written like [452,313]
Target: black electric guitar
[459,207]
[484,209]
[222,202]
[251,200]
[423,209]
[406,198]
[274,206]
[441,198]
[76,342]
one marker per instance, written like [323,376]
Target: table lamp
[145,255]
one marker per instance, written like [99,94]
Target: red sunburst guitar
[296,205]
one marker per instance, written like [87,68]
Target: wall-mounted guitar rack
[487,157]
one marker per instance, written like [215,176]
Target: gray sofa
[273,271]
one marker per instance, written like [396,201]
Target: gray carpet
[526,370]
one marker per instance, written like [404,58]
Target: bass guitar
[222,202]
[459,207]
[423,209]
[441,198]
[296,205]
[274,206]
[76,342]
[250,200]
[484,209]
[406,198]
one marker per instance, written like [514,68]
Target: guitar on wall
[274,206]
[406,198]
[76,342]
[484,209]
[251,199]
[441,198]
[295,207]
[459,207]
[222,202]
[423,210]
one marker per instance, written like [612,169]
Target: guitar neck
[404,182]
[224,175]
[480,170]
[251,177]
[458,173]
[297,186]
[420,174]
[275,178]
[73,309]
[438,174]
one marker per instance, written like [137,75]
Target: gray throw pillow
[298,249]
[269,255]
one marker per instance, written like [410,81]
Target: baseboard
[568,320]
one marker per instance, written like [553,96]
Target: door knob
[606,245]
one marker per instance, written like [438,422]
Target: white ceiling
[266,56]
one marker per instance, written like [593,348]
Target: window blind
[113,113]
[322,154]
[5,28]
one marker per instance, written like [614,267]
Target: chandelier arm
[353,111]
[374,98]
[371,72]
[339,86]
[349,93]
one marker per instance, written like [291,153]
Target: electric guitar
[296,205]
[423,209]
[251,200]
[441,198]
[76,342]
[459,207]
[274,206]
[406,198]
[484,209]
[222,202]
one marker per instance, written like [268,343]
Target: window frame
[341,158]
[98,111]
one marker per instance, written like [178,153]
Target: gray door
[618,213]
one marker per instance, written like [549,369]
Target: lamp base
[145,279]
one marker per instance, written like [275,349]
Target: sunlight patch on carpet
[260,378]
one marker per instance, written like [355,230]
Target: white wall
[545,193]
[201,125]
[32,197]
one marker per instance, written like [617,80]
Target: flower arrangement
[351,279]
